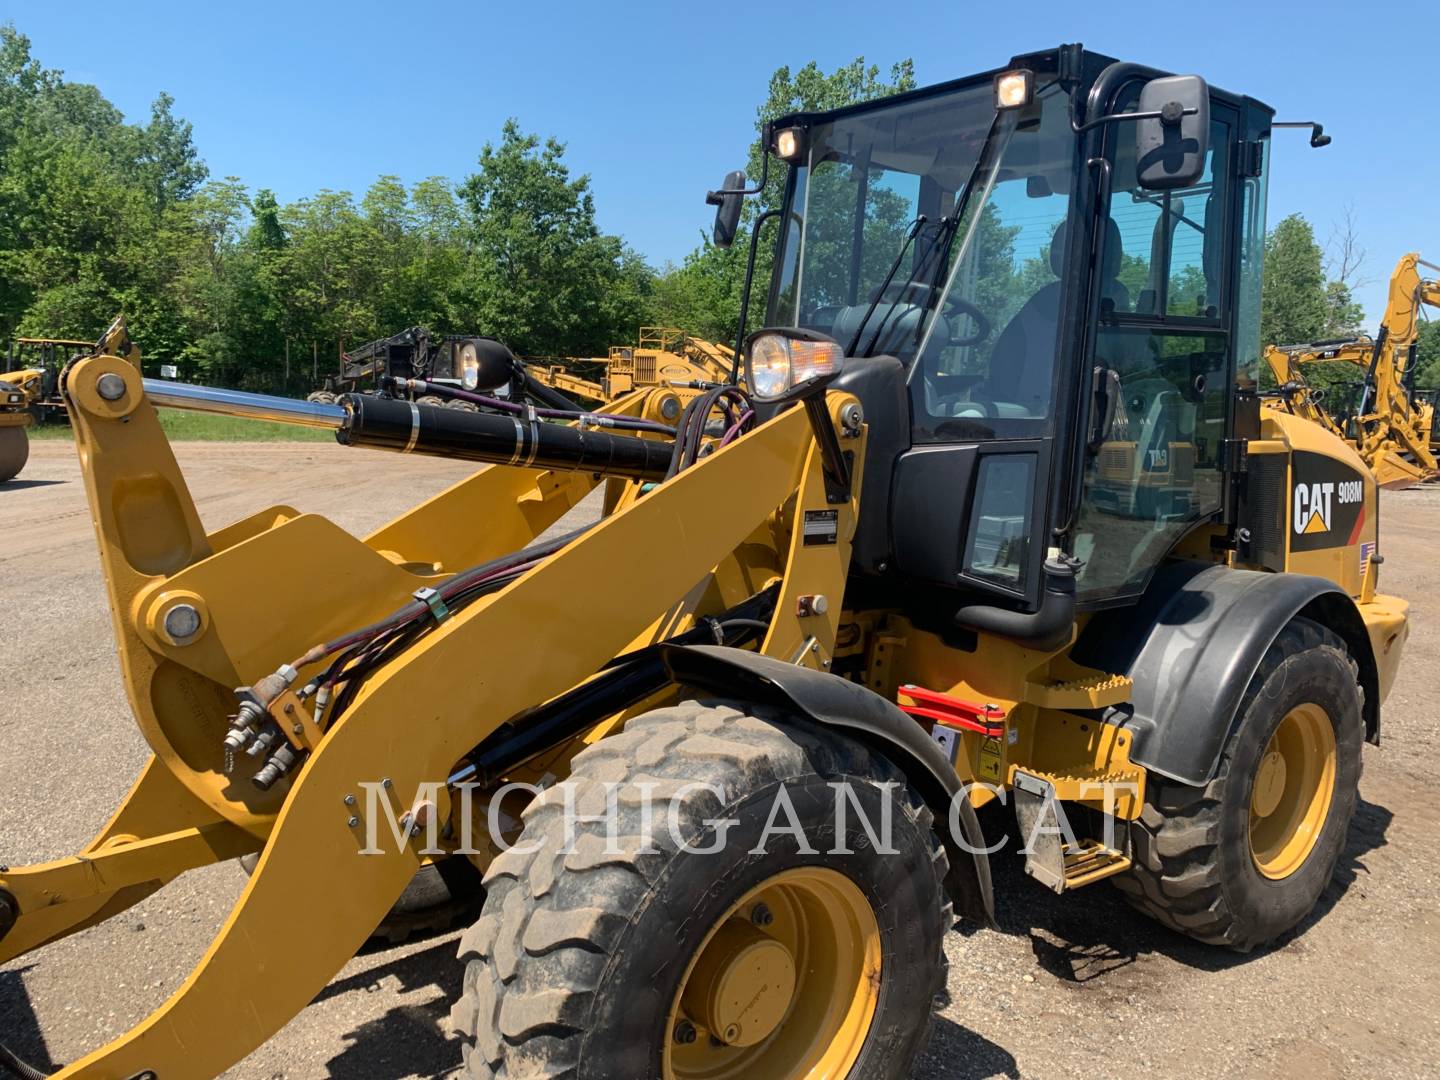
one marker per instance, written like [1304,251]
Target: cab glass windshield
[933,230]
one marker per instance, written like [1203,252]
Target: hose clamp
[534,418]
[414,427]
[432,599]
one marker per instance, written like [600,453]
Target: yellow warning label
[990,759]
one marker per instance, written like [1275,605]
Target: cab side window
[1172,243]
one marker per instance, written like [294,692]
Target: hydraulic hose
[13,1066]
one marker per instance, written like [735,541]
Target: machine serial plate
[822,527]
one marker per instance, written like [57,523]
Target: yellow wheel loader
[723,755]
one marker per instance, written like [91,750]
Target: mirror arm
[1318,138]
[713,198]
[1167,116]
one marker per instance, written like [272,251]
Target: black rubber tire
[575,961]
[14,452]
[441,896]
[1193,869]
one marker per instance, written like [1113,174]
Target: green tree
[702,295]
[540,273]
[1293,307]
[1427,357]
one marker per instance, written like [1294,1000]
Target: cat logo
[1327,503]
[1312,507]
[1313,503]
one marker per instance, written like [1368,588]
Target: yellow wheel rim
[785,984]
[1292,791]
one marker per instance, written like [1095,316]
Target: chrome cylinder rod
[174,395]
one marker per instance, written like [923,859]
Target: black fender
[1191,647]
[835,702]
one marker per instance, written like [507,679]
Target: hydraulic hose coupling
[251,721]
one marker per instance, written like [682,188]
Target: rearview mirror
[727,207]
[1170,142]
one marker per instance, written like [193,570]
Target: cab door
[1163,346]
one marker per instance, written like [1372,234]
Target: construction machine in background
[1391,428]
[662,355]
[878,581]
[413,354]
[30,390]
[15,417]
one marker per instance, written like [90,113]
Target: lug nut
[762,915]
[685,1033]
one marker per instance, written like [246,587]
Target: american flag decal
[1366,550]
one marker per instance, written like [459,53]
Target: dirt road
[1079,987]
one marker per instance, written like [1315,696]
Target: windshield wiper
[911,233]
[945,234]
[941,245]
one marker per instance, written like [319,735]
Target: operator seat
[1023,358]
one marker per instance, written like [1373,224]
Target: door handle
[1105,386]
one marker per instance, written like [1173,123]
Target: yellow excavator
[1391,428]
[728,757]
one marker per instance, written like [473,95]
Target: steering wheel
[918,293]
[955,306]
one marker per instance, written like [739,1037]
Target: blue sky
[656,101]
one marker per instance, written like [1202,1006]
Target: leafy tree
[540,273]
[702,295]
[1293,307]
[1427,357]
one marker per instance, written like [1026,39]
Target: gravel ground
[1074,986]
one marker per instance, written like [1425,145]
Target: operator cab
[1067,322]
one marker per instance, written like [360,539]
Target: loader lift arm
[714,534]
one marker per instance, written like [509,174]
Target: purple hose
[516,409]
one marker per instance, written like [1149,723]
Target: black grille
[1263,509]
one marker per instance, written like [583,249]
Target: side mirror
[727,207]
[1171,141]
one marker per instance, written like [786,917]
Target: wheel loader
[723,756]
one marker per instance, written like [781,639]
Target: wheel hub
[1292,790]
[786,983]
[742,985]
[1269,784]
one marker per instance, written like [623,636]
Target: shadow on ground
[1092,933]
[409,1040]
[17,485]
[19,1027]
[957,1053]
[1078,938]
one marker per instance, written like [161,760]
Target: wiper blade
[911,233]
